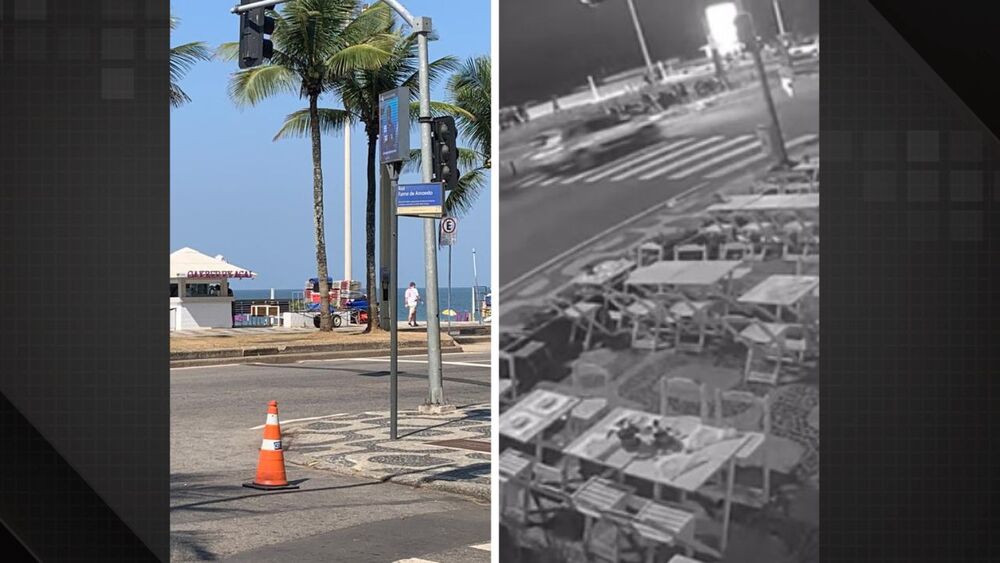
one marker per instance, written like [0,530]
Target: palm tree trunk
[370,233]
[325,323]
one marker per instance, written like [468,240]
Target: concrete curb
[295,356]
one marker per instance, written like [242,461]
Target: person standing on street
[412,297]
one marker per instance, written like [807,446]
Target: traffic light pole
[392,170]
[422,27]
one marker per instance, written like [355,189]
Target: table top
[683,272]
[756,333]
[604,272]
[774,202]
[534,413]
[812,164]
[504,385]
[687,471]
[781,290]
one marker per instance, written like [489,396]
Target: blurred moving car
[582,145]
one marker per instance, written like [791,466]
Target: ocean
[461,299]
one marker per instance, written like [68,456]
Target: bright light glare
[722,26]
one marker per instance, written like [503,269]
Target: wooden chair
[736,251]
[683,389]
[754,454]
[647,249]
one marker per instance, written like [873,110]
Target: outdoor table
[781,291]
[682,559]
[682,273]
[604,273]
[783,202]
[526,421]
[686,472]
[764,333]
[505,386]
[733,203]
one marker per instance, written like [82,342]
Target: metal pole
[254,5]
[422,27]
[393,307]
[347,202]
[430,231]
[779,17]
[475,287]
[762,72]
[642,38]
[450,312]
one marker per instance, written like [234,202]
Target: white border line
[302,419]
[495,275]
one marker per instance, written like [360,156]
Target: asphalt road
[545,214]
[331,518]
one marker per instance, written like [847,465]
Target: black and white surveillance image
[659,281]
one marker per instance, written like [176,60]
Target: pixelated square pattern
[117,44]
[117,84]
[996,186]
[118,9]
[30,10]
[157,43]
[73,44]
[923,226]
[879,146]
[923,146]
[838,146]
[879,186]
[966,226]
[966,146]
[965,185]
[923,186]
[30,44]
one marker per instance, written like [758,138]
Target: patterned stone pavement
[359,445]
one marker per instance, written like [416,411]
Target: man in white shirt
[412,297]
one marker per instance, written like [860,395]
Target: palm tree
[359,93]
[182,58]
[470,92]
[315,43]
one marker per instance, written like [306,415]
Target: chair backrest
[685,390]
[690,252]
[736,251]
[742,421]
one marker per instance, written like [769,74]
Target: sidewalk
[449,452]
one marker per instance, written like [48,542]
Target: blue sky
[235,192]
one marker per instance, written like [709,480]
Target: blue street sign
[420,200]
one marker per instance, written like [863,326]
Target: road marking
[692,158]
[758,157]
[618,162]
[549,181]
[414,560]
[632,161]
[206,367]
[533,180]
[715,160]
[463,364]
[482,546]
[303,419]
[548,264]
[666,158]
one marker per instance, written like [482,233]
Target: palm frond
[183,57]
[470,186]
[248,87]
[297,124]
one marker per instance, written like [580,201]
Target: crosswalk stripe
[482,546]
[726,170]
[692,158]
[666,158]
[715,160]
[631,161]
[549,181]
[617,162]
[533,180]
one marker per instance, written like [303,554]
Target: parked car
[583,144]
[806,49]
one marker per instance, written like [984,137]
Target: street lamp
[748,35]
[638,31]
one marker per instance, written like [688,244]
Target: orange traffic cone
[271,465]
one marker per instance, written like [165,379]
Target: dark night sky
[550,46]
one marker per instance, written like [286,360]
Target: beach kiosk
[200,296]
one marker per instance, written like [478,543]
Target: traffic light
[444,135]
[255,29]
